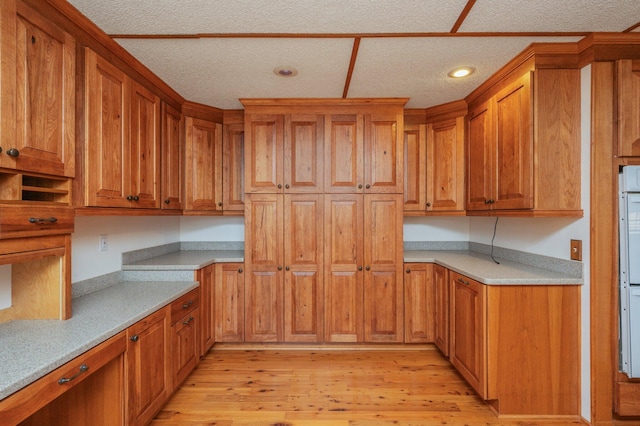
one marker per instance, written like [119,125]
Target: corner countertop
[185,260]
[32,348]
[482,268]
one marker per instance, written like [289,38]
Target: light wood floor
[329,387]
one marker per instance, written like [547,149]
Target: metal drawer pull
[187,321]
[186,305]
[64,380]
[460,280]
[41,220]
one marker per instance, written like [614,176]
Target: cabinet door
[206,278]
[441,308]
[45,96]
[445,166]
[344,157]
[264,266]
[172,158]
[203,167]
[419,303]
[628,73]
[383,153]
[383,289]
[479,157]
[468,331]
[415,164]
[263,153]
[233,168]
[303,153]
[513,165]
[303,278]
[107,133]
[229,299]
[148,366]
[145,147]
[184,348]
[343,267]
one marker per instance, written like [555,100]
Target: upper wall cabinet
[122,138]
[628,96]
[172,158]
[203,166]
[38,93]
[233,167]
[523,134]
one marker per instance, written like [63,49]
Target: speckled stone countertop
[187,260]
[30,349]
[482,268]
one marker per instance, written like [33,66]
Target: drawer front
[184,305]
[33,221]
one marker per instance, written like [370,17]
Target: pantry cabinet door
[172,158]
[383,154]
[203,169]
[344,156]
[263,154]
[303,153]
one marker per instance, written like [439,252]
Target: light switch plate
[576,250]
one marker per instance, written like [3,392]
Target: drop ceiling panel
[219,71]
[273,16]
[417,67]
[552,15]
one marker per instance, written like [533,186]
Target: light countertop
[482,268]
[30,349]
[187,260]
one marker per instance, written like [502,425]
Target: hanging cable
[495,227]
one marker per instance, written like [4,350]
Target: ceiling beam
[352,64]
[463,15]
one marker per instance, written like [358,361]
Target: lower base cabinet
[229,302]
[419,303]
[185,342]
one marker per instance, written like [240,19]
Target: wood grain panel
[263,153]
[442,288]
[445,173]
[207,321]
[383,307]
[229,302]
[479,156]
[303,153]
[233,167]
[344,159]
[383,151]
[415,162]
[628,94]
[185,351]
[171,180]
[419,303]
[203,168]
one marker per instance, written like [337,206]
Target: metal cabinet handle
[186,305]
[367,186]
[408,271]
[428,204]
[460,280]
[167,201]
[64,380]
[136,198]
[240,270]
[279,186]
[186,322]
[279,268]
[286,268]
[219,203]
[359,268]
[286,186]
[42,221]
[367,268]
[129,197]
[359,186]
[134,338]
[12,152]
[0,149]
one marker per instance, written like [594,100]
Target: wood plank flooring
[234,386]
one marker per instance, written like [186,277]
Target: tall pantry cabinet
[323,220]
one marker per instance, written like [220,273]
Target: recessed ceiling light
[461,72]
[285,71]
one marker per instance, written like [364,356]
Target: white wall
[5,286]
[204,228]
[123,234]
[435,228]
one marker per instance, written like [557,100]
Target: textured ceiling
[406,47]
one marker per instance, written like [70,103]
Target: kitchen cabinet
[628,99]
[148,366]
[468,331]
[520,136]
[185,348]
[441,308]
[203,167]
[283,258]
[419,303]
[38,93]
[86,390]
[434,167]
[504,336]
[284,153]
[206,278]
[172,158]
[122,141]
[364,152]
[363,268]
[233,168]
[229,302]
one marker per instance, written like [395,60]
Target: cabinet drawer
[32,221]
[184,305]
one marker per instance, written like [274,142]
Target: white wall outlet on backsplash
[103,243]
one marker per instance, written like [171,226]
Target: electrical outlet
[576,250]
[103,243]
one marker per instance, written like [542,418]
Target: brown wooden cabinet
[185,347]
[419,303]
[628,98]
[172,158]
[148,366]
[468,331]
[206,278]
[515,162]
[229,302]
[233,168]
[122,141]
[38,93]
[441,308]
[203,165]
